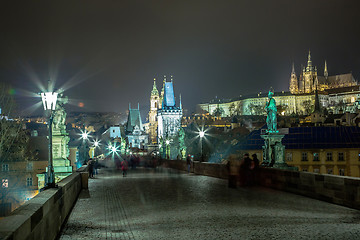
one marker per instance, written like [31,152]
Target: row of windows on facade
[5,182]
[328,171]
[329,156]
[5,167]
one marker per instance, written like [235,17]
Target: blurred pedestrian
[188,162]
[96,166]
[90,164]
[245,168]
[254,169]
[124,167]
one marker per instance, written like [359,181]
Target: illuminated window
[304,156]
[341,156]
[4,183]
[29,181]
[29,166]
[316,170]
[316,157]
[341,171]
[329,156]
[5,167]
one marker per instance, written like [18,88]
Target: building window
[341,171]
[304,169]
[289,157]
[304,156]
[329,156]
[29,166]
[29,181]
[341,156]
[316,157]
[4,183]
[329,171]
[316,170]
[5,167]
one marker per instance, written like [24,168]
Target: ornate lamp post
[201,135]
[49,101]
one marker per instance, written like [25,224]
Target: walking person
[124,167]
[91,168]
[254,168]
[245,166]
[188,162]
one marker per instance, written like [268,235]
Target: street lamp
[201,135]
[49,102]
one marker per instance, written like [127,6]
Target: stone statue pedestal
[274,151]
[62,165]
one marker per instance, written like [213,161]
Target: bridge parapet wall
[43,216]
[330,188]
[340,190]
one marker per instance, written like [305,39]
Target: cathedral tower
[293,81]
[154,106]
[309,76]
[326,74]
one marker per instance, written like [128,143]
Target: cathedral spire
[154,91]
[309,63]
[326,74]
[293,69]
[180,102]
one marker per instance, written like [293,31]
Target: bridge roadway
[167,204]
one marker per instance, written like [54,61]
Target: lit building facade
[336,93]
[137,138]
[325,150]
[169,116]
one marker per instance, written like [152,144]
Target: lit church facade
[164,115]
[336,93]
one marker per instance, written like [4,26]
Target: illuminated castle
[309,79]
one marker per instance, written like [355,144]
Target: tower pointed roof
[154,91]
[309,66]
[293,69]
[326,74]
[134,119]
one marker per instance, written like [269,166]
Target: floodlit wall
[43,216]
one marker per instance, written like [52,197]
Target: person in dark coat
[188,162]
[245,175]
[91,168]
[254,169]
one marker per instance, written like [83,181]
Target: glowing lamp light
[167,142]
[113,149]
[84,135]
[96,143]
[201,134]
[49,100]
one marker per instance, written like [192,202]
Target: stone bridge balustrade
[42,216]
[340,190]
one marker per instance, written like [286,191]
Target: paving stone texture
[167,204]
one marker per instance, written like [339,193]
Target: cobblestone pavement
[166,204]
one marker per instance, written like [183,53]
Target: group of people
[248,170]
[93,165]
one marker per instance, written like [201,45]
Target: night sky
[106,53]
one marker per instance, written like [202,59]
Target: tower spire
[293,68]
[326,74]
[180,102]
[154,91]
